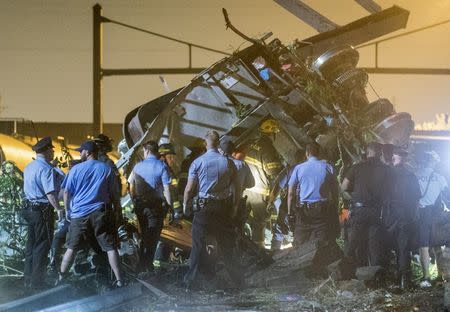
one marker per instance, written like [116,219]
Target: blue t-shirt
[155,173]
[40,179]
[91,185]
[315,180]
[214,174]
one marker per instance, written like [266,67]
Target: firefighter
[41,187]
[278,201]
[213,177]
[265,165]
[167,154]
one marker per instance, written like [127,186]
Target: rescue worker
[278,202]
[104,145]
[213,176]
[244,177]
[370,186]
[313,193]
[41,187]
[432,186]
[265,165]
[89,191]
[167,154]
[150,192]
[402,214]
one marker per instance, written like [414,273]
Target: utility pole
[97,124]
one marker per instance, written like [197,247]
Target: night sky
[46,51]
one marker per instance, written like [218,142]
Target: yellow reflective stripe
[273,165]
[174,182]
[259,190]
[176,204]
[253,161]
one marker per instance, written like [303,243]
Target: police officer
[432,187]
[313,192]
[245,178]
[89,190]
[265,165]
[40,188]
[370,186]
[214,176]
[104,146]
[402,213]
[150,191]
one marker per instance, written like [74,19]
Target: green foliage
[12,230]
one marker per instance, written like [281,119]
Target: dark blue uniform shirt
[315,180]
[40,179]
[214,174]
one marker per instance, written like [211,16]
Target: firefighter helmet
[269,126]
[166,149]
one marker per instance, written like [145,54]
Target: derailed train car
[312,87]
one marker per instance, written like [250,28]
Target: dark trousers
[151,222]
[213,220]
[40,234]
[59,239]
[401,237]
[365,236]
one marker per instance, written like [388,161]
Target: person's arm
[292,191]
[53,200]
[189,192]
[249,178]
[166,180]
[167,194]
[131,183]
[66,197]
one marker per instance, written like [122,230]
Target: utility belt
[313,210]
[36,206]
[201,203]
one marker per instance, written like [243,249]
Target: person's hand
[187,210]
[60,215]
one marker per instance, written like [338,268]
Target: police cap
[42,145]
[89,146]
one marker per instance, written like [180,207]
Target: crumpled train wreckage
[312,87]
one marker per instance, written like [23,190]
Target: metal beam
[370,5]
[407,71]
[308,15]
[151,71]
[97,124]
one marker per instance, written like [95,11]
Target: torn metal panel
[355,33]
[308,15]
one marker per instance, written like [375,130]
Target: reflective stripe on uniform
[259,190]
[273,165]
[176,204]
[174,182]
[253,161]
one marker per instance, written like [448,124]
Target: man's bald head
[212,139]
